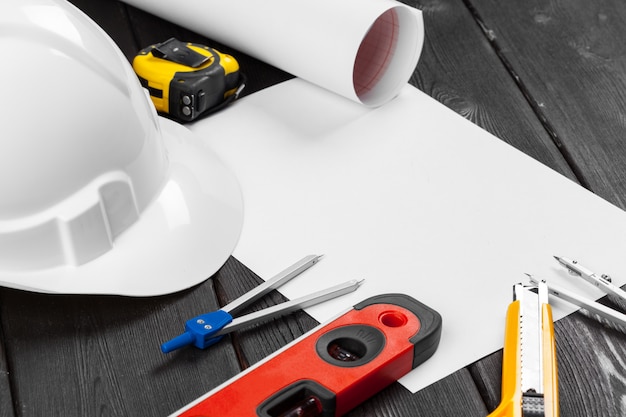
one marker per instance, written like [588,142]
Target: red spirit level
[333,368]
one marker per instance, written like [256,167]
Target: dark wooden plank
[592,372]
[95,355]
[6,399]
[569,58]
[459,68]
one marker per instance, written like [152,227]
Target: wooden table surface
[546,76]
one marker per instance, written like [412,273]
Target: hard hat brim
[181,239]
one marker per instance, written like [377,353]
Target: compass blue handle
[200,331]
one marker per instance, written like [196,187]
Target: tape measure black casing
[187,80]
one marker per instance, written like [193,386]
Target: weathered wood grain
[101,355]
[459,68]
[6,399]
[569,58]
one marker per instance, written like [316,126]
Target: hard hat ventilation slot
[93,231]
[86,236]
[119,205]
[71,233]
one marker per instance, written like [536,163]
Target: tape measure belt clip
[179,52]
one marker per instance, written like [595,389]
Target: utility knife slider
[529,370]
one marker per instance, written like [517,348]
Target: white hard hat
[99,195]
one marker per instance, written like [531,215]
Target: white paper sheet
[414,199]
[365,50]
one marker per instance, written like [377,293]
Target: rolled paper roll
[364,50]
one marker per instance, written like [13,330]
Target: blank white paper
[412,198]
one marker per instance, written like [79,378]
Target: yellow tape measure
[187,80]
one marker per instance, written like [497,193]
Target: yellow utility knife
[529,371]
